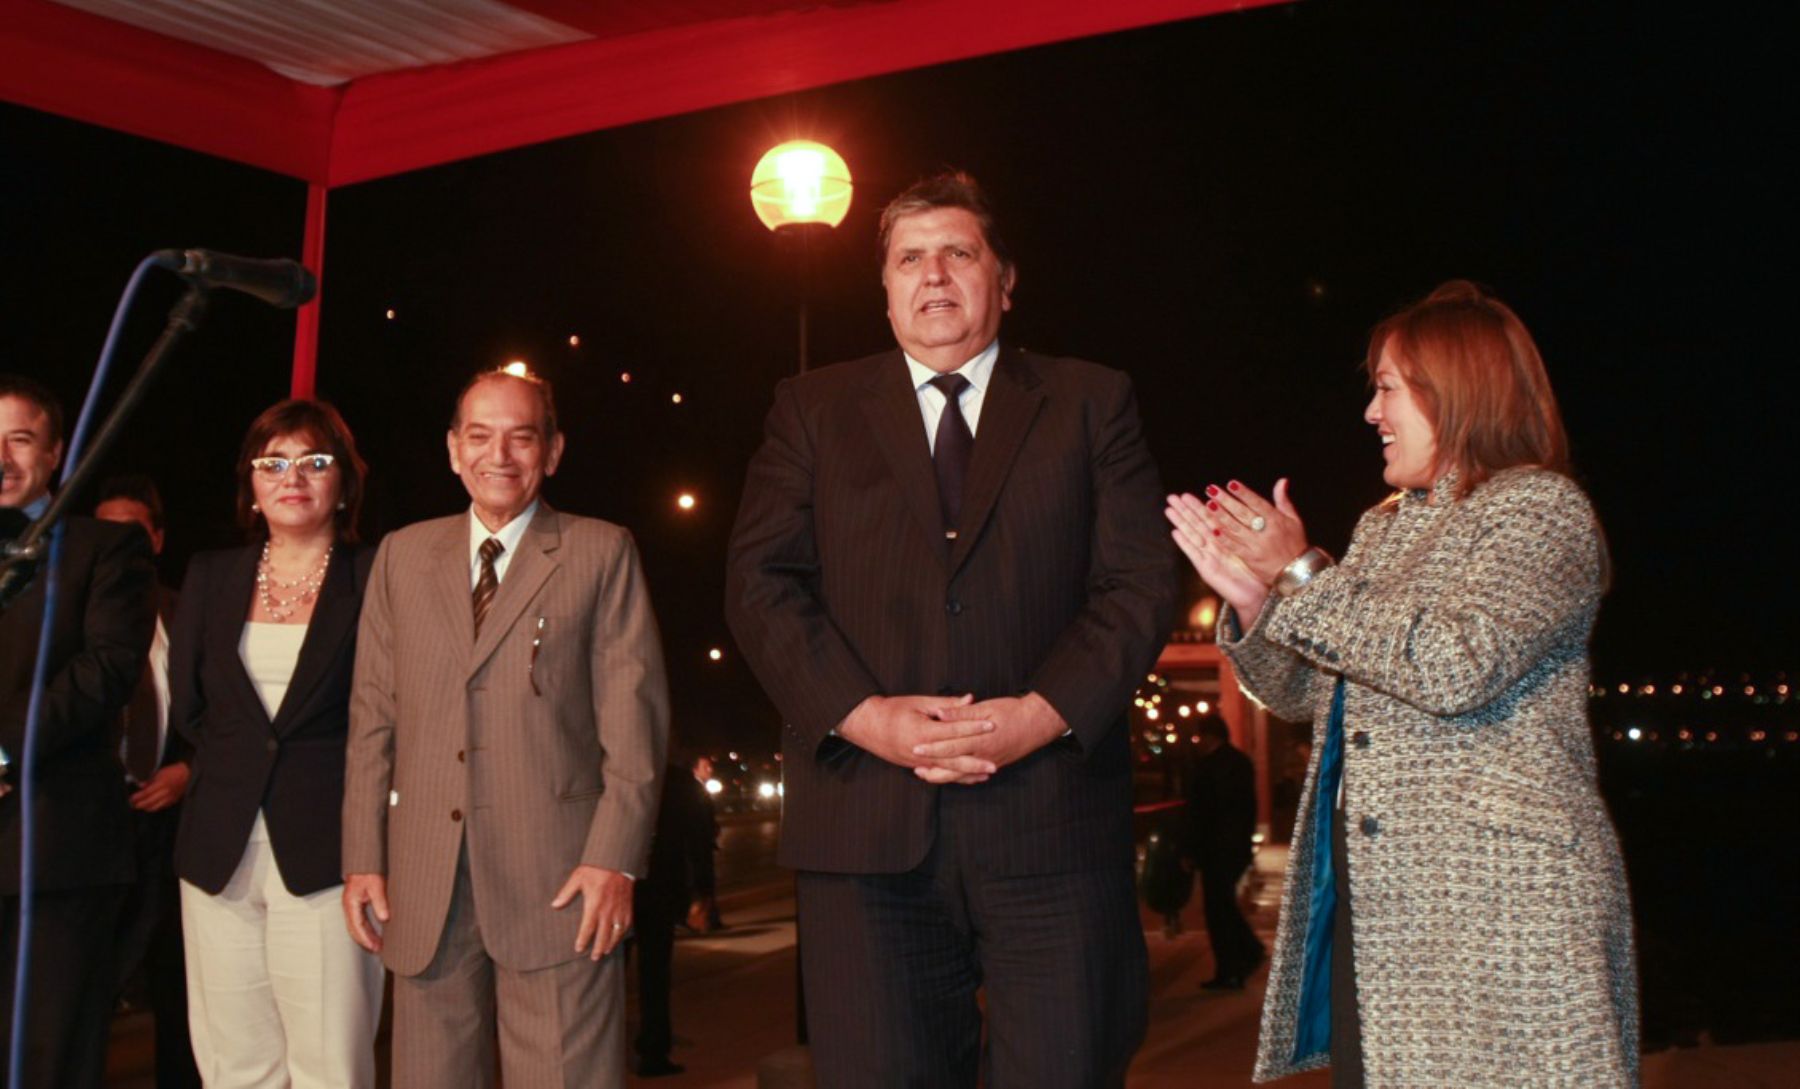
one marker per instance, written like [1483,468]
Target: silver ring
[1258,523]
[618,926]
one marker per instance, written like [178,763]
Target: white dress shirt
[510,535]
[979,371]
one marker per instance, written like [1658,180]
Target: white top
[931,402]
[510,535]
[269,652]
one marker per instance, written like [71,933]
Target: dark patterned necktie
[955,443]
[489,582]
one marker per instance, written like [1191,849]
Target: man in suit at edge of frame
[949,573]
[85,864]
[508,727]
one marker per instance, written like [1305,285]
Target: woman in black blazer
[260,665]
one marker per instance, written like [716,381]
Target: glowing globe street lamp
[798,189]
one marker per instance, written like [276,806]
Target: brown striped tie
[489,582]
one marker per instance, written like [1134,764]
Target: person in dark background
[957,519]
[1455,909]
[260,668]
[99,641]
[1220,791]
[149,953]
[681,867]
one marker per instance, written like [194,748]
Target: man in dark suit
[157,763]
[681,867]
[1219,786]
[949,573]
[82,828]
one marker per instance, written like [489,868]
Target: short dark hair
[1213,726]
[321,423]
[546,395]
[949,189]
[137,487]
[29,389]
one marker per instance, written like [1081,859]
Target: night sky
[1222,207]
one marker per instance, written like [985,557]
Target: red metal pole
[306,328]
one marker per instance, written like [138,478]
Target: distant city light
[1184,710]
[1634,733]
[574,341]
[715,654]
[1151,714]
[625,377]
[713,786]
[731,755]
[1203,707]
[1171,738]
[765,790]
[674,398]
[390,314]
[685,500]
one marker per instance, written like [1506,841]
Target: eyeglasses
[311,465]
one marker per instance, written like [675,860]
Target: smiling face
[27,454]
[945,287]
[298,502]
[1409,442]
[500,449]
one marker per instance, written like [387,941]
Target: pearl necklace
[281,608]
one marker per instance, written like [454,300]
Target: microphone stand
[19,558]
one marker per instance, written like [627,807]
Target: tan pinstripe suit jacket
[543,758]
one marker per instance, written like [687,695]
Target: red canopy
[604,64]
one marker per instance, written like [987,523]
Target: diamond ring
[1258,523]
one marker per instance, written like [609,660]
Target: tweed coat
[540,744]
[1492,924]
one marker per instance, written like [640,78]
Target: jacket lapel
[535,562]
[1010,405]
[333,616]
[453,588]
[230,612]
[892,408]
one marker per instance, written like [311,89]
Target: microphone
[279,282]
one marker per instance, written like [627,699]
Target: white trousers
[279,997]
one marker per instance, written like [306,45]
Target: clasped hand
[947,739]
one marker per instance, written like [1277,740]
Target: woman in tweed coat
[1456,912]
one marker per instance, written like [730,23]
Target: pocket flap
[1514,807]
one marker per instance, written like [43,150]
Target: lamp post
[798,189]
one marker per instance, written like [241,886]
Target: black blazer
[105,618]
[841,585]
[291,768]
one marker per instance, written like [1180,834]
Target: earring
[254,509]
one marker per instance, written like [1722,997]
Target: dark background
[1222,207]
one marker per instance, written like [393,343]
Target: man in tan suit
[508,727]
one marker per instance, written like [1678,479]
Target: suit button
[456,815]
[953,607]
[272,745]
[1370,826]
[1360,739]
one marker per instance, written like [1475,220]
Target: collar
[36,508]
[979,370]
[510,534]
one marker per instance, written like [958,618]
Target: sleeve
[1272,675]
[631,715]
[1099,660]
[771,599]
[1532,570]
[118,619]
[369,752]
